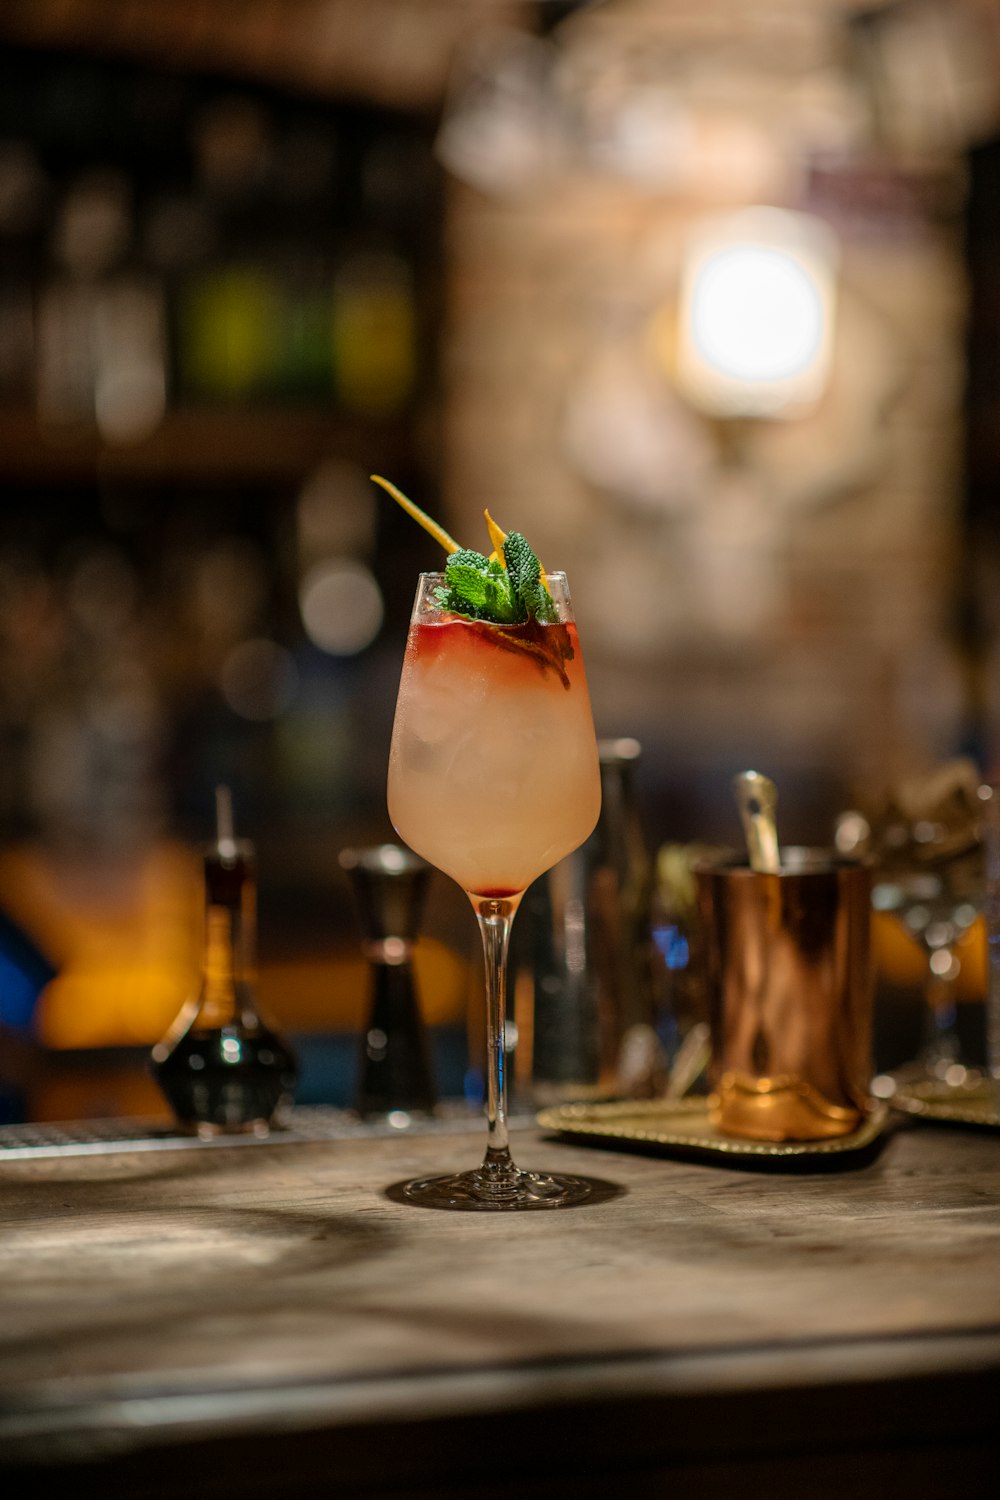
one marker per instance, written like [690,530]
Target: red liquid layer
[527,650]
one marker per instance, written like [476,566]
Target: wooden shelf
[244,443]
[394,52]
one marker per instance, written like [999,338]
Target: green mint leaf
[504,595]
[522,564]
[480,589]
[526,576]
[538,602]
[465,557]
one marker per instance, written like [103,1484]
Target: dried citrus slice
[497,537]
[443,539]
[421,517]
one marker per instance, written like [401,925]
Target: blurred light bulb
[336,512]
[756,314]
[341,606]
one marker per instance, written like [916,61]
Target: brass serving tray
[928,1101]
[683,1127]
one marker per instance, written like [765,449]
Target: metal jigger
[394,1071]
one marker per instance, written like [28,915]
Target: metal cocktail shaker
[585,965]
[789,984]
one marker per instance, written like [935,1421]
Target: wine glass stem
[941,1040]
[495,917]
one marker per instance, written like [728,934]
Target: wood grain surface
[154,1301]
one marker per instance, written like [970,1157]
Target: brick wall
[778,595]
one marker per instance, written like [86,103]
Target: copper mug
[789,978]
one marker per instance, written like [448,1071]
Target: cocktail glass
[493,778]
[937,906]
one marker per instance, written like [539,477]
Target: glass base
[956,1083]
[483,1190]
[943,1066]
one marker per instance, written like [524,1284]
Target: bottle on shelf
[230,321]
[374,332]
[101,317]
[23,189]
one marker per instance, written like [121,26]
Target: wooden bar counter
[261,1319]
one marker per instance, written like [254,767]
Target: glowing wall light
[756,312]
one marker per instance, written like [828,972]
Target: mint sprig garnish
[525,572]
[479,589]
[508,588]
[509,594]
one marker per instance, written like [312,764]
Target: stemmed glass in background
[926,845]
[493,778]
[937,908]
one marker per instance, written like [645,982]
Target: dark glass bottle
[220,1067]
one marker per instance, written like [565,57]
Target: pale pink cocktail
[493,778]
